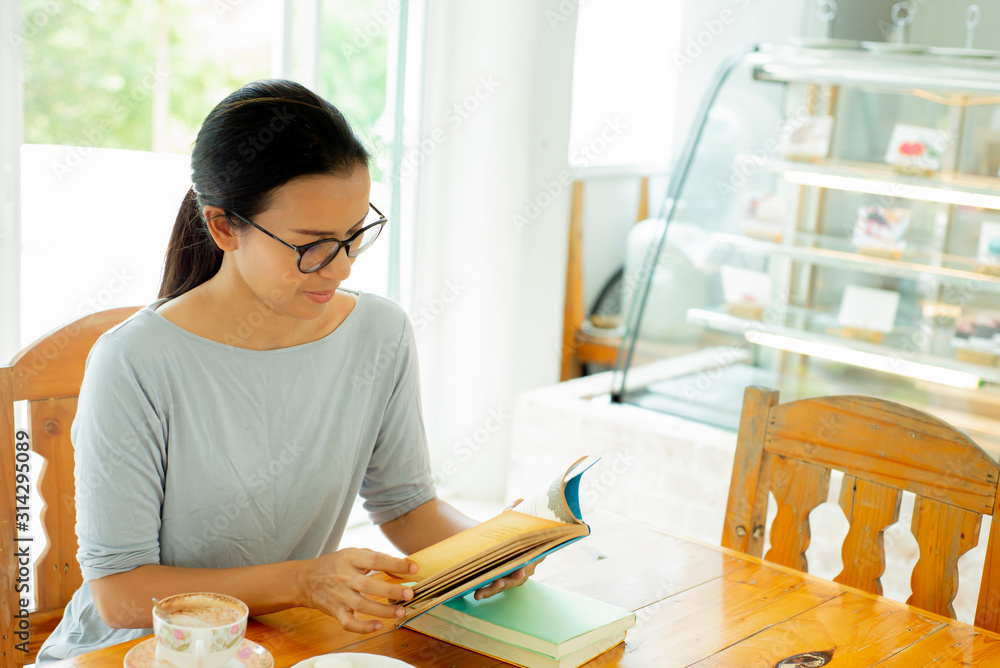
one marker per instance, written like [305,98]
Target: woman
[234,421]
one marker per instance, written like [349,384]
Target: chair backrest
[47,375]
[883,449]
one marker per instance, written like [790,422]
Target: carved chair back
[47,375]
[882,448]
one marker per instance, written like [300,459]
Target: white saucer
[249,655]
[359,660]
[891,47]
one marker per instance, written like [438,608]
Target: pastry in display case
[832,227]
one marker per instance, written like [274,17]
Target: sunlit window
[114,94]
[625,82]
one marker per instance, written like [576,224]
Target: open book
[481,554]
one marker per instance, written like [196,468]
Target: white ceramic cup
[204,630]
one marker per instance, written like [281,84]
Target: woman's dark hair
[260,137]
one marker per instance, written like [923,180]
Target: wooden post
[573,311]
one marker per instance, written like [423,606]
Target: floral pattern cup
[209,642]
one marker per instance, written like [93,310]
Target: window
[114,93]
[624,83]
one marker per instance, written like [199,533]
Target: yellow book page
[507,527]
[415,607]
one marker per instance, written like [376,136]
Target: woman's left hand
[515,579]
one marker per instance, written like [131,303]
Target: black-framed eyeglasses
[317,254]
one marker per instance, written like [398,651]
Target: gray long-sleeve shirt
[198,454]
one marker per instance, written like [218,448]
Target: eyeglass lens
[320,255]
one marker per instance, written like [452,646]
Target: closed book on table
[534,625]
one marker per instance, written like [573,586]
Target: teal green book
[534,625]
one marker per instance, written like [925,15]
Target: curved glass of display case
[833,227]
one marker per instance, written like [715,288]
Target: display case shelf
[841,254]
[891,357]
[901,73]
[882,180]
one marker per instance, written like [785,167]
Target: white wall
[488,294]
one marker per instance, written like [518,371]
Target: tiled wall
[674,474]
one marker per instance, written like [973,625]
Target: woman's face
[303,210]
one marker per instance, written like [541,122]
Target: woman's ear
[222,232]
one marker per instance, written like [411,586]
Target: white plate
[890,47]
[955,52]
[359,660]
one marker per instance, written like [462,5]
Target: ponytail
[192,257]
[293,133]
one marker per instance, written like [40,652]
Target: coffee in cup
[200,629]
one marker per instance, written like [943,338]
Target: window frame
[288,61]
[11,138]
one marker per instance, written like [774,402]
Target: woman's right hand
[338,584]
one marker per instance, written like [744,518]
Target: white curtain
[492,224]
[11,131]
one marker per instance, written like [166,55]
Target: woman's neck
[229,312]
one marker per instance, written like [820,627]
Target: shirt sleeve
[120,445]
[398,478]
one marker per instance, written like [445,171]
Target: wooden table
[696,605]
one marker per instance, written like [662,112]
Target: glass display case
[832,227]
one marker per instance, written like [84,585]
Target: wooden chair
[883,448]
[46,374]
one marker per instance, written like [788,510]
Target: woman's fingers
[351,623]
[378,561]
[514,579]
[340,586]
[358,602]
[373,586]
